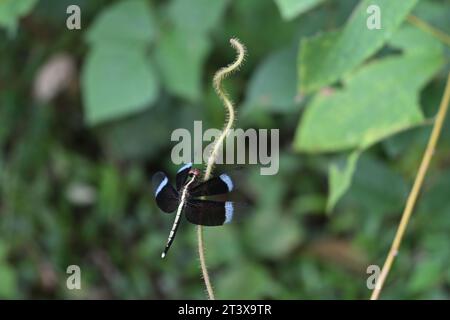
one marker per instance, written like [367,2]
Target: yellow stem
[437,128]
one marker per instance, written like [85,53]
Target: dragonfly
[185,199]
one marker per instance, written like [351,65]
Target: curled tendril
[220,75]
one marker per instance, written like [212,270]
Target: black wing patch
[208,212]
[182,175]
[165,194]
[214,186]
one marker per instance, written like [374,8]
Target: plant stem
[201,255]
[419,23]
[218,77]
[437,128]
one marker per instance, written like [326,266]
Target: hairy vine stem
[218,77]
[429,151]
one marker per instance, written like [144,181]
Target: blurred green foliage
[81,135]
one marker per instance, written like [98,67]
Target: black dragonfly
[183,199]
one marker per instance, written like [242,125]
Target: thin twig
[437,128]
[218,77]
[419,23]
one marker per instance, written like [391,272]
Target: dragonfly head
[194,173]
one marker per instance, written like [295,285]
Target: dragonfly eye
[194,172]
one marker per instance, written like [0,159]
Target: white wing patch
[161,185]
[225,178]
[187,165]
[228,211]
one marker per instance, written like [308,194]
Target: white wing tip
[163,255]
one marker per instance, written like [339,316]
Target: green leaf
[435,13]
[357,116]
[195,17]
[328,57]
[290,9]
[377,101]
[117,81]
[416,42]
[273,85]
[124,22]
[180,59]
[12,10]
[340,178]
[118,78]
[140,136]
[369,186]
